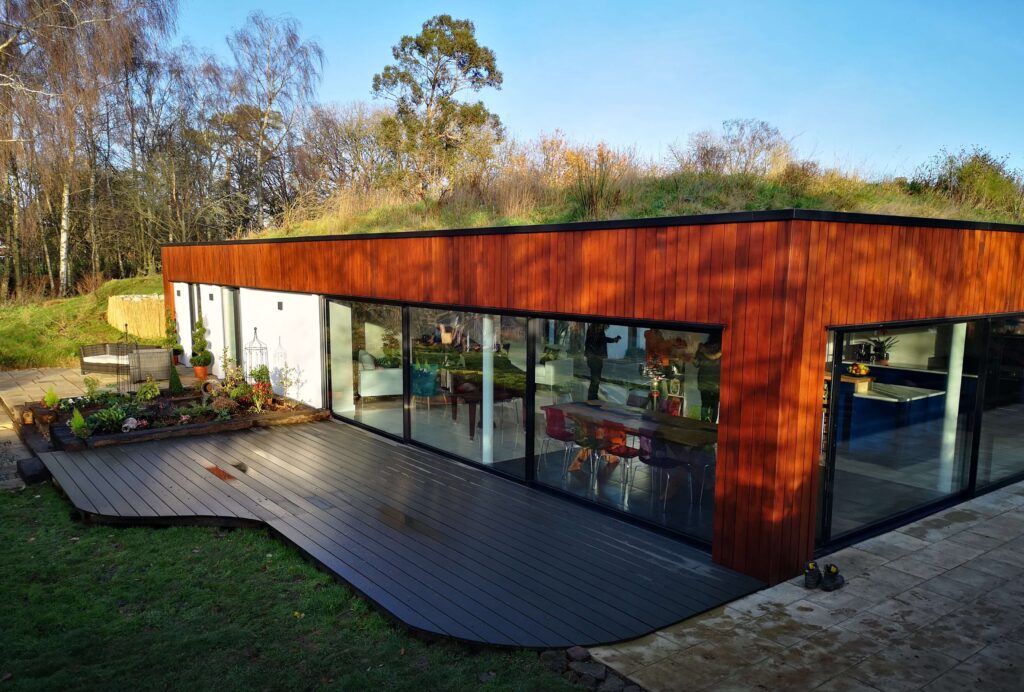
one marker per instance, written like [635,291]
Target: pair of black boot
[829,580]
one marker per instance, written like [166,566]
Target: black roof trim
[650,222]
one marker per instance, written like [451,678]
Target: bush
[108,419]
[51,399]
[201,355]
[174,387]
[148,391]
[224,404]
[260,374]
[79,428]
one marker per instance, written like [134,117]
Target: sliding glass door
[366,378]
[627,417]
[468,385]
[900,421]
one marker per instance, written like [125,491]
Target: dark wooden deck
[445,548]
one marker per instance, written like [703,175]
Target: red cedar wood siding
[775,285]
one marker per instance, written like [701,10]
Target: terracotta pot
[201,371]
[46,416]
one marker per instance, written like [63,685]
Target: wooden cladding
[774,285]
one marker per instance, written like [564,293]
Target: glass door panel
[627,417]
[903,417]
[1001,448]
[468,385]
[366,380]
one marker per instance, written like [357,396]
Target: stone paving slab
[935,605]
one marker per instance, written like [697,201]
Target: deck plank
[444,547]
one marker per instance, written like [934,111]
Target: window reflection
[627,417]
[903,420]
[468,384]
[1001,452]
[366,363]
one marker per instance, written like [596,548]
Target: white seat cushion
[106,359]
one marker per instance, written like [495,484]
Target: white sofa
[377,381]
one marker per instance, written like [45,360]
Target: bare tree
[276,74]
[63,56]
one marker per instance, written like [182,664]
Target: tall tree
[63,56]
[431,128]
[277,74]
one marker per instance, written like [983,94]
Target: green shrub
[50,399]
[92,387]
[147,391]
[108,419]
[174,387]
[241,391]
[201,355]
[171,339]
[261,374]
[79,428]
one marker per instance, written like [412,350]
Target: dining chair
[616,442]
[656,453]
[557,430]
[585,437]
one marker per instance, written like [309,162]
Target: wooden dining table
[638,421]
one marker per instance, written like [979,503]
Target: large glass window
[468,384]
[366,364]
[627,416]
[1001,449]
[902,420]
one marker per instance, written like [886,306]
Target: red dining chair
[557,430]
[615,441]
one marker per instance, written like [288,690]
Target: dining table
[640,421]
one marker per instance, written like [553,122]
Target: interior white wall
[182,315]
[292,336]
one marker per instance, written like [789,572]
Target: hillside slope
[49,334]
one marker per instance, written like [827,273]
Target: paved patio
[935,605]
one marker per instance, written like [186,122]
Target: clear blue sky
[873,86]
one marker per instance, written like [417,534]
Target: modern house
[763,384]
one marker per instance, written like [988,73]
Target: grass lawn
[103,608]
[49,334]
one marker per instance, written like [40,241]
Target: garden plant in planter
[201,355]
[172,341]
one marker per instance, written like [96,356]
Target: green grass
[49,334]
[91,607]
[655,195]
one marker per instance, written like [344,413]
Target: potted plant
[882,345]
[201,355]
[47,414]
[171,340]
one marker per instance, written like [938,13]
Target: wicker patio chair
[150,361]
[140,362]
[107,359]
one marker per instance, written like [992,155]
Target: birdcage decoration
[255,355]
[125,350]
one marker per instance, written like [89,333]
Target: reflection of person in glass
[709,376]
[596,352]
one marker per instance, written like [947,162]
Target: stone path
[936,605]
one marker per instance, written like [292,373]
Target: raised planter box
[61,437]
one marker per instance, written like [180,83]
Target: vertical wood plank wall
[775,285]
